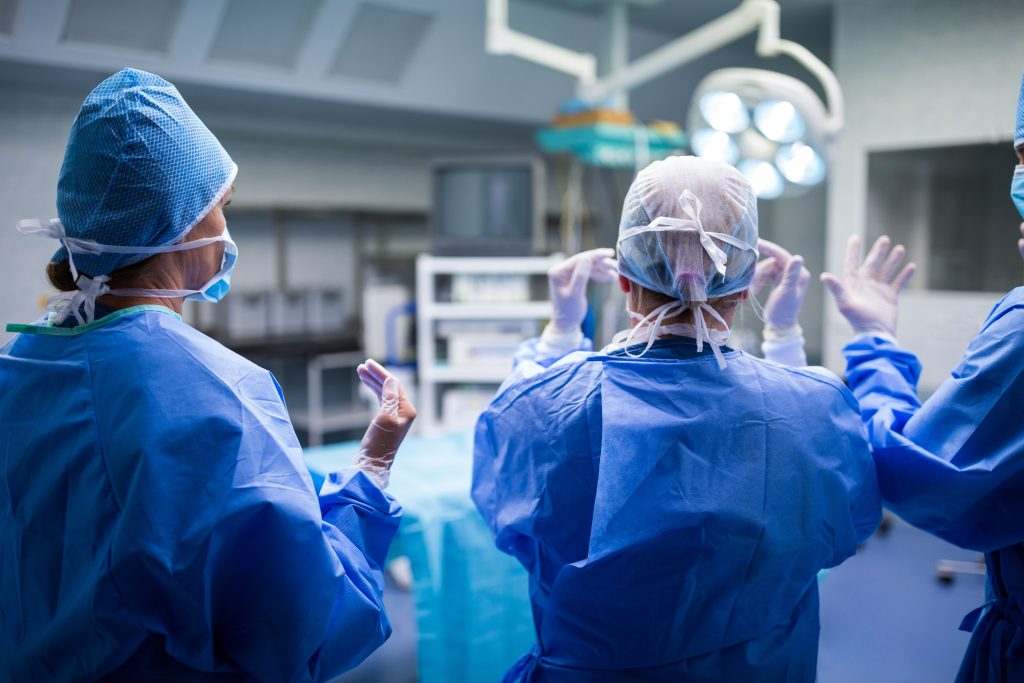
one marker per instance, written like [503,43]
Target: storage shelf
[503,265]
[332,421]
[525,311]
[429,312]
[488,374]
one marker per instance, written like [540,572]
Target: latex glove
[867,295]
[568,282]
[787,273]
[388,429]
[1020,242]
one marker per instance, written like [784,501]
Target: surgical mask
[89,289]
[1017,188]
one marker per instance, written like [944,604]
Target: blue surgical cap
[140,169]
[1018,138]
[680,214]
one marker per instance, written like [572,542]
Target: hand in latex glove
[390,425]
[789,277]
[568,282]
[867,295]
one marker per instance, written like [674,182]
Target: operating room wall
[919,73]
[34,129]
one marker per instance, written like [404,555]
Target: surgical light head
[772,127]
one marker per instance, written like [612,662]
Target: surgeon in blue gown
[157,521]
[673,499]
[953,465]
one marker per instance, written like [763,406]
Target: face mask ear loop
[758,308]
[650,329]
[718,355]
[72,304]
[715,347]
[701,325]
[644,326]
[93,288]
[88,288]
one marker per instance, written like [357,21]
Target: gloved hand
[1020,242]
[789,277]
[867,295]
[568,282]
[390,425]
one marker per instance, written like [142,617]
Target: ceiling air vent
[123,24]
[380,43]
[7,16]
[264,32]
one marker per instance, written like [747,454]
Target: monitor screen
[486,208]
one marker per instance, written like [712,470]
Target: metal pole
[615,54]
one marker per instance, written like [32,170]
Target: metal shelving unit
[317,419]
[429,311]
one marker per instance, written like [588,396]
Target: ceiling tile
[7,8]
[124,24]
[264,32]
[381,43]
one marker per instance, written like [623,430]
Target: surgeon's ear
[624,284]
[744,295]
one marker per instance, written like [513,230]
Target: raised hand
[568,282]
[388,428]
[867,295]
[789,277]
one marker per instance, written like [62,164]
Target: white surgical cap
[688,231]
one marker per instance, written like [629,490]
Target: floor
[395,660]
[886,618]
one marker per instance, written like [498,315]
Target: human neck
[122,302]
[161,276]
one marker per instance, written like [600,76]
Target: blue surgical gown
[954,466]
[157,520]
[673,517]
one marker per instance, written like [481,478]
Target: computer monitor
[491,206]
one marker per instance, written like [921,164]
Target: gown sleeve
[536,355]
[952,466]
[235,558]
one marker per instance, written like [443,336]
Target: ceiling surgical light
[779,121]
[800,164]
[764,178]
[759,111]
[715,144]
[724,111]
[782,143]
